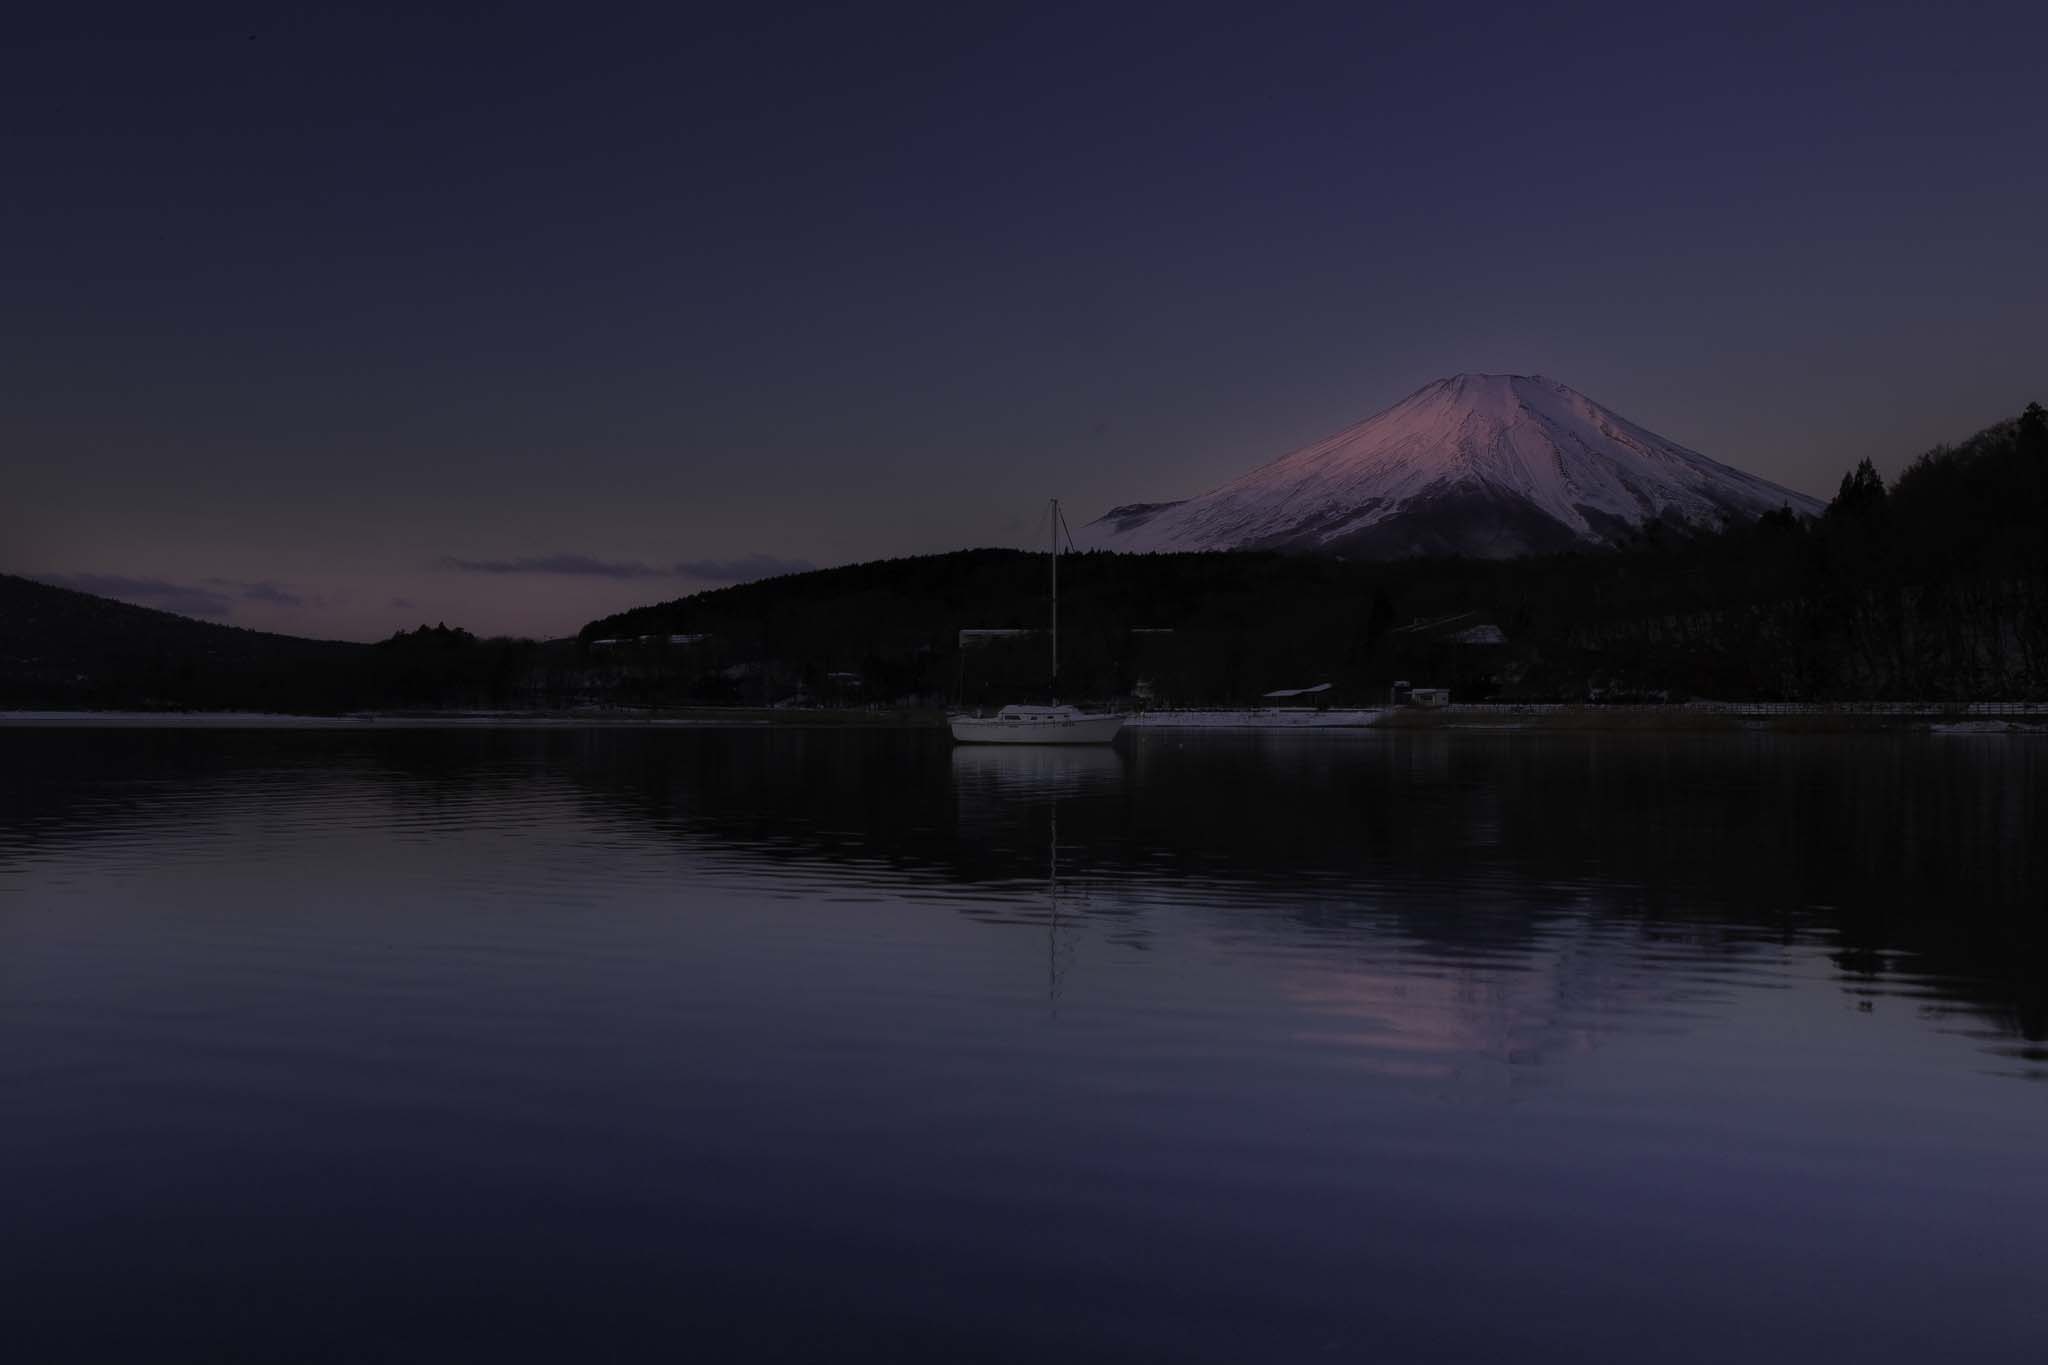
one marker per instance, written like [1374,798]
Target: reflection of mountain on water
[1463,847]
[1912,860]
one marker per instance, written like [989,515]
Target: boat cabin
[1039,713]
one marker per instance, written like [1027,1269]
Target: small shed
[1405,693]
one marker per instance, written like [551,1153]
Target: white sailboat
[1052,724]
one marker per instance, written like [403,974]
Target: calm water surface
[349,1045]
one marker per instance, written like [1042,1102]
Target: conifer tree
[1862,491]
[2033,432]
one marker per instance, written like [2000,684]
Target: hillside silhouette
[1933,587]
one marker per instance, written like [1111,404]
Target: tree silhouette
[2033,432]
[1862,492]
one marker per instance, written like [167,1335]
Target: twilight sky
[509,316]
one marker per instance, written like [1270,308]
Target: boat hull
[1065,730]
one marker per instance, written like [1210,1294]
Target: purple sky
[512,316]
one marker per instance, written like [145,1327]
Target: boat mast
[1055,599]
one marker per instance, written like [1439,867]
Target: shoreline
[2019,718]
[1251,719]
[1732,717]
[679,718]
[1649,718]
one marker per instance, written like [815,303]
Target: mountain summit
[1491,465]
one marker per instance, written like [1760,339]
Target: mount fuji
[1490,465]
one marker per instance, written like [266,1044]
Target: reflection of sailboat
[1000,789]
[1054,968]
[1017,772]
[1054,724]
[995,784]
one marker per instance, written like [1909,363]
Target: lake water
[556,1044]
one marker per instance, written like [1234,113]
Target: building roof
[1297,691]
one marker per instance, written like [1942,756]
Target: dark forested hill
[65,648]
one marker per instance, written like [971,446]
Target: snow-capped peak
[1489,464]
